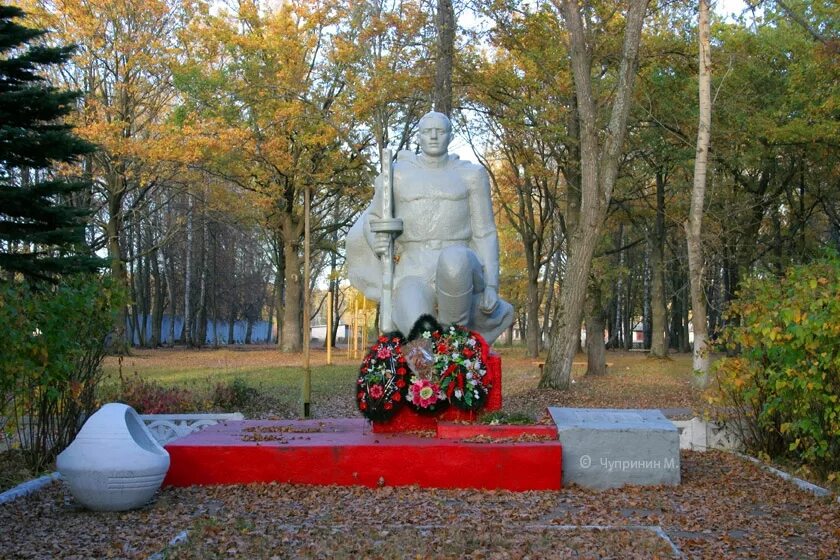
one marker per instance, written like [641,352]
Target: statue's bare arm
[485,238]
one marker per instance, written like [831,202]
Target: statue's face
[434,135]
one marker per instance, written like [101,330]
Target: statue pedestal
[344,452]
[407,420]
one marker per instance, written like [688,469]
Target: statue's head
[435,132]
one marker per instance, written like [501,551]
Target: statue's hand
[381,242]
[489,300]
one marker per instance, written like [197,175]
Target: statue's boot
[454,309]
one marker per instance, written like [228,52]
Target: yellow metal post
[364,342]
[329,327]
[355,336]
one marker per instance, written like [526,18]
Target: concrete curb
[28,487]
[818,491]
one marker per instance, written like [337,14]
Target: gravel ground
[725,508]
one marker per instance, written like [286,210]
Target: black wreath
[382,383]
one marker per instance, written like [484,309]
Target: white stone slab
[608,448]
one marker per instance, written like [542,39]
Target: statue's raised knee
[454,265]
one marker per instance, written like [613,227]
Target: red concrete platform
[346,452]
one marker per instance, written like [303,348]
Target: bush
[781,389]
[149,397]
[235,396]
[52,346]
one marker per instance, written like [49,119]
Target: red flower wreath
[461,363]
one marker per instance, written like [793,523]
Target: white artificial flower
[458,393]
[469,374]
[427,334]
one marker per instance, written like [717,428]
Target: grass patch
[633,381]
[503,417]
[224,380]
[13,469]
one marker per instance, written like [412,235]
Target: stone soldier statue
[447,254]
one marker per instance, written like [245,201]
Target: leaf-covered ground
[724,508]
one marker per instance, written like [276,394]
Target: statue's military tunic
[441,206]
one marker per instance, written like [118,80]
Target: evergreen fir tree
[41,234]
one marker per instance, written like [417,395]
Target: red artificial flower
[383,339]
[376,391]
[396,397]
[362,405]
[400,383]
[401,371]
[388,406]
[468,353]
[441,348]
[361,394]
[395,340]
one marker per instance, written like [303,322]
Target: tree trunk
[157,308]
[596,350]
[201,330]
[445,27]
[693,226]
[279,291]
[599,169]
[231,326]
[187,331]
[271,306]
[532,331]
[646,311]
[133,281]
[334,292]
[627,308]
[658,340]
[173,306]
[292,325]
[119,344]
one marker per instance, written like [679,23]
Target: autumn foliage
[784,386]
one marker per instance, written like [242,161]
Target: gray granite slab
[609,448]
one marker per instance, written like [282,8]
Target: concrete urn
[115,463]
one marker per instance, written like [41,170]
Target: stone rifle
[393,227]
